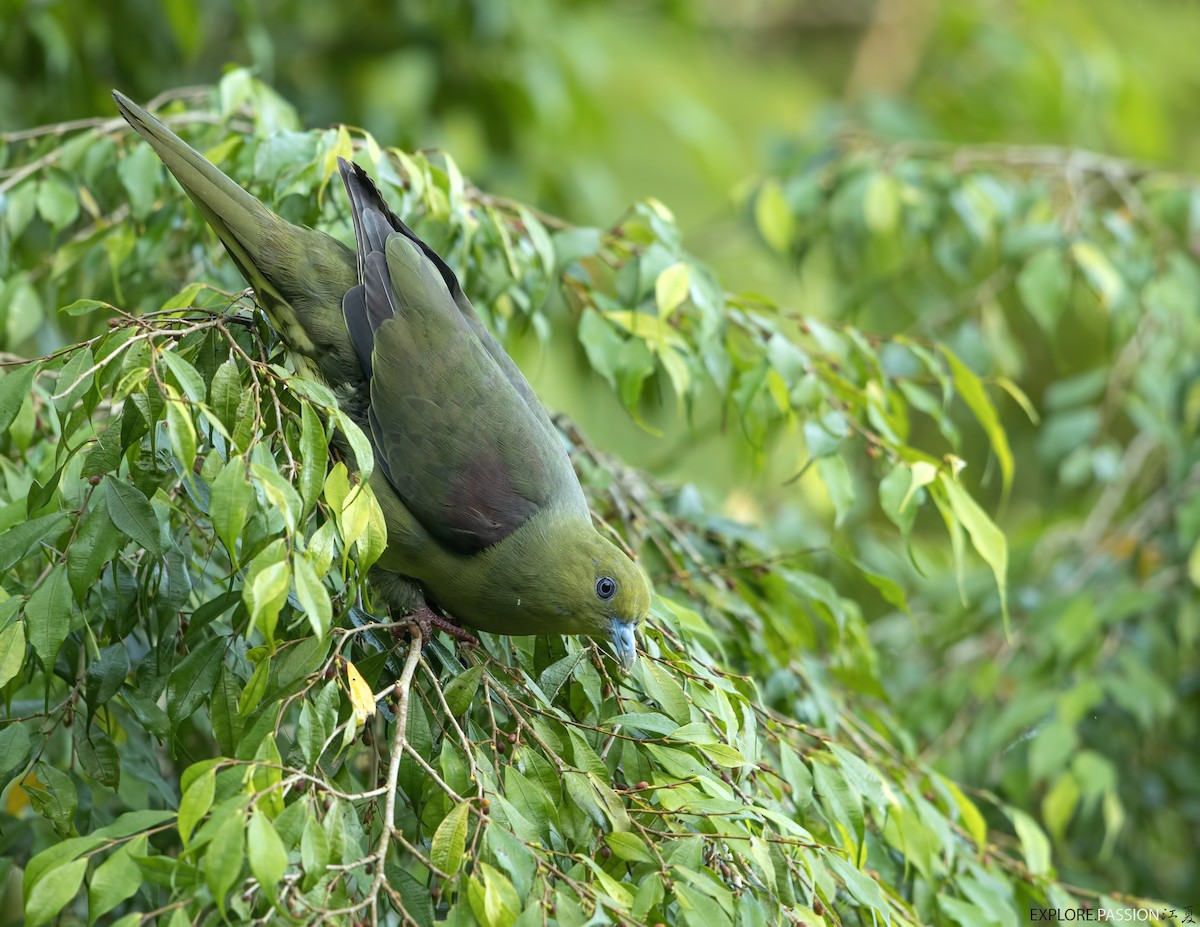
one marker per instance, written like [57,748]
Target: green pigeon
[486,520]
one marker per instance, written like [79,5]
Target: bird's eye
[606,587]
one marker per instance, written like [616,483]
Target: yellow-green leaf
[671,288]
[976,398]
[987,539]
[450,839]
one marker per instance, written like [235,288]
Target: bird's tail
[299,275]
[239,219]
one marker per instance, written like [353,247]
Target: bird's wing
[457,430]
[364,196]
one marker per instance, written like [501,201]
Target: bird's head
[610,596]
[557,575]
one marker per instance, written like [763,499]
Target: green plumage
[484,512]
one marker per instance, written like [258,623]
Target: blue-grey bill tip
[624,643]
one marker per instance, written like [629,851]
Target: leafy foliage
[201,700]
[1070,278]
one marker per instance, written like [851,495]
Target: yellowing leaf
[774,217]
[342,148]
[971,817]
[987,539]
[362,699]
[1034,844]
[881,204]
[650,328]
[1099,271]
[923,473]
[976,397]
[671,288]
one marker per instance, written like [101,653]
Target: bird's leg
[426,619]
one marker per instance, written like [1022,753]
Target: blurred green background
[581,108]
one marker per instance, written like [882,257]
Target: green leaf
[555,676]
[14,387]
[75,379]
[226,722]
[460,691]
[664,689]
[842,803]
[698,909]
[21,539]
[14,750]
[20,207]
[230,499]
[450,839]
[192,680]
[186,375]
[53,796]
[133,822]
[114,880]
[861,887]
[57,202]
[25,313]
[184,298]
[12,654]
[268,857]
[196,803]
[413,894]
[97,755]
[1059,804]
[106,673]
[48,615]
[55,856]
[225,394]
[360,444]
[839,484]
[1034,844]
[1044,284]
[255,688]
[105,455]
[628,847]
[133,515]
[52,891]
[314,451]
[314,851]
[223,859]
[84,306]
[94,546]
[313,596]
[141,174]
[265,593]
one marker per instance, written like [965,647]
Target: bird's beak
[624,643]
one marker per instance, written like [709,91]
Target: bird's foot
[426,619]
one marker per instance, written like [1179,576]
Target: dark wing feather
[366,199]
[455,433]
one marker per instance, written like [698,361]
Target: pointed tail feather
[299,275]
[238,218]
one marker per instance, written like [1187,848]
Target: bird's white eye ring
[606,587]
